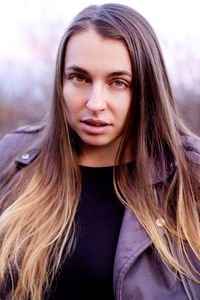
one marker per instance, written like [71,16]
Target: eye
[119,83]
[78,78]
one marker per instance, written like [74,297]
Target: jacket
[138,273]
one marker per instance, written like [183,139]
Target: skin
[97,90]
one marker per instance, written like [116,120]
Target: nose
[97,99]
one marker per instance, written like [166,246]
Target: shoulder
[191,145]
[18,141]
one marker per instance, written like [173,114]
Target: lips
[95,123]
[95,127]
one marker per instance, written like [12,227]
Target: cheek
[122,108]
[70,100]
[74,98]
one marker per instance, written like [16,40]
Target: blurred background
[30,32]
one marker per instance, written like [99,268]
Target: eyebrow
[112,74]
[77,69]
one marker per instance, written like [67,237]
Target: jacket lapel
[132,241]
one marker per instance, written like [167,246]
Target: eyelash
[74,77]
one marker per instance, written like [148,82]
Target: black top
[88,273]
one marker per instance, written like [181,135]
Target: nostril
[96,105]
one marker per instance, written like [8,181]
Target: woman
[108,191]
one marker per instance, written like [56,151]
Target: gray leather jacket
[139,274]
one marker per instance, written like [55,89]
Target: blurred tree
[27,78]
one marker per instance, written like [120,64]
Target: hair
[38,224]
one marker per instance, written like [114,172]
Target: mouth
[95,127]
[95,123]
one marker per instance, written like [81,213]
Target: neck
[96,156]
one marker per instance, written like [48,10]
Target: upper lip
[95,122]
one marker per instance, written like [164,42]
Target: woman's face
[97,88]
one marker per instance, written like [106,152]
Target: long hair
[37,228]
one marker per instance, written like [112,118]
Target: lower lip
[94,129]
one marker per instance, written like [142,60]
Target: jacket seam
[191,149]
[28,129]
[186,287]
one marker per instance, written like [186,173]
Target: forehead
[89,49]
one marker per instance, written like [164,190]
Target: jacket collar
[161,175]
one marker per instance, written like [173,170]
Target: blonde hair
[38,223]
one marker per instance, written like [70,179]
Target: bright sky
[174,19]
[176,22]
